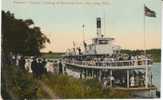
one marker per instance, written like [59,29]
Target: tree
[19,37]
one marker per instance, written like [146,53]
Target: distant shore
[155,53]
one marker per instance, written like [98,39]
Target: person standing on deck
[132,81]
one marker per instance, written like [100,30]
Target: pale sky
[62,24]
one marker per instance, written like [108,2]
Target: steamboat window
[103,41]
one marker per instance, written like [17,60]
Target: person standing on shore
[44,62]
[60,67]
[22,64]
[34,68]
[40,69]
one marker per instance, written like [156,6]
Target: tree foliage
[21,36]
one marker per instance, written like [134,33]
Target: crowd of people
[35,65]
[116,60]
[38,68]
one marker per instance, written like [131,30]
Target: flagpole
[104,23]
[149,13]
[144,34]
[83,26]
[146,69]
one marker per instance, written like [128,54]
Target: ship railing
[112,63]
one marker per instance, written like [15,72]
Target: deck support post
[100,74]
[81,73]
[146,74]
[96,71]
[111,82]
[86,71]
[92,73]
[85,74]
[151,76]
[128,78]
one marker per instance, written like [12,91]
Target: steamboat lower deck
[129,76]
[123,75]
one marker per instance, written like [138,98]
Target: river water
[156,70]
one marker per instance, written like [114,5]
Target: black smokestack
[98,23]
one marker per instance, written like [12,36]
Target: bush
[17,84]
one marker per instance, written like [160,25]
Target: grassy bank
[20,85]
[69,87]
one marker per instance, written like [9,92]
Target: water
[156,70]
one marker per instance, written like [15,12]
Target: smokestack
[98,24]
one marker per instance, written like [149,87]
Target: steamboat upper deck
[126,64]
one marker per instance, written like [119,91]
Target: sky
[62,23]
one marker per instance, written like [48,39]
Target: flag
[148,12]
[83,25]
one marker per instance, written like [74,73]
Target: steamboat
[103,60]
